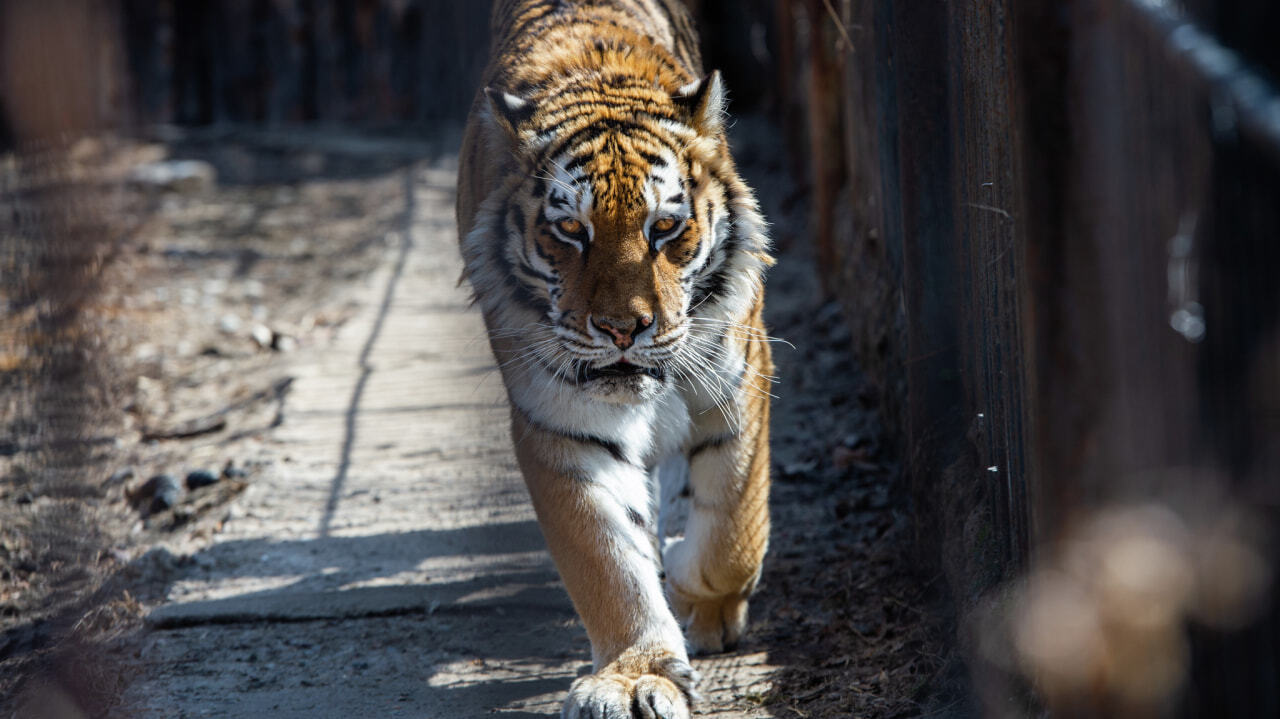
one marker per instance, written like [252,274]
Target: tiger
[618,260]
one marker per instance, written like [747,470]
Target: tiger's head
[627,234]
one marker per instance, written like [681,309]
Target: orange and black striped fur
[618,259]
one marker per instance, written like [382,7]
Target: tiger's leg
[593,508]
[714,569]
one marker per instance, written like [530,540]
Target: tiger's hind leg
[712,571]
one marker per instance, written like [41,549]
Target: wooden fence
[1057,230]
[362,63]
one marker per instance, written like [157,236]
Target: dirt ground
[190,328]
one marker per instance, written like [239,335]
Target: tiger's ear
[705,101]
[510,111]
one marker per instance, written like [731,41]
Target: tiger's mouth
[621,368]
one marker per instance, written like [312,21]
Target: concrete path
[387,563]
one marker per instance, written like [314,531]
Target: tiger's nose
[624,333]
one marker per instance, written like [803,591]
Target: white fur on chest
[646,431]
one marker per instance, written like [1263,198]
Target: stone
[162,490]
[201,478]
[185,176]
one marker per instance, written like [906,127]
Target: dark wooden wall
[60,74]
[1057,236]
[929,242]
[1176,192]
[352,62]
[363,63]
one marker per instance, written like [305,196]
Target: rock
[852,440]
[186,176]
[201,478]
[231,471]
[798,469]
[159,560]
[85,149]
[120,476]
[229,324]
[162,490]
[283,343]
[263,335]
[167,498]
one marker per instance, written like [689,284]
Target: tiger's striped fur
[618,259]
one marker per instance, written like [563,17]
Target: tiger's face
[613,236]
[617,241]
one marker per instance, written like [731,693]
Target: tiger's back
[618,259]
[534,42]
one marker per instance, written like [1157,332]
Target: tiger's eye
[666,224]
[570,226]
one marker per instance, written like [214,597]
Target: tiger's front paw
[710,625]
[616,696]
